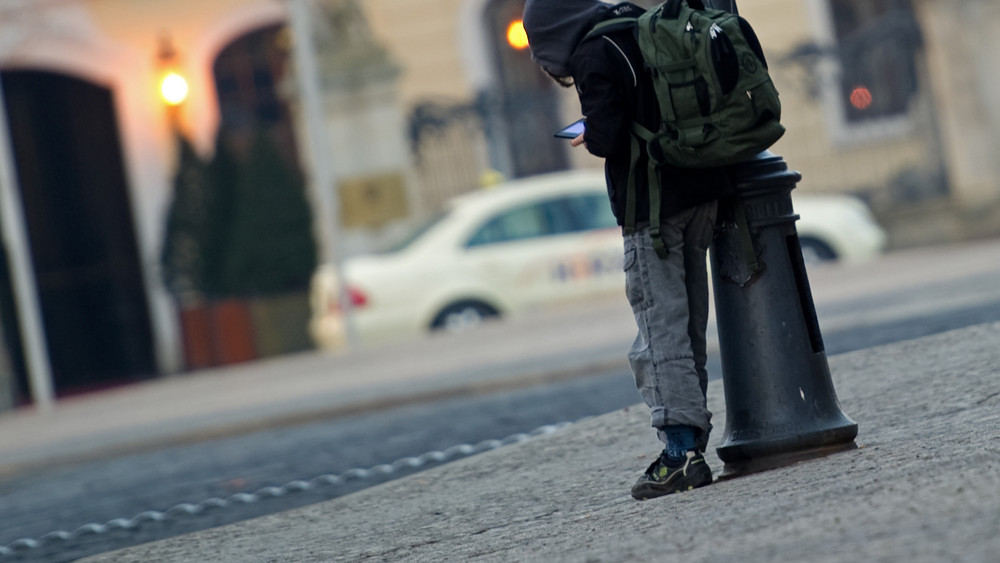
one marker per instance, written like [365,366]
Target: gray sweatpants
[669,298]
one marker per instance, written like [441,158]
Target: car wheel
[815,251]
[463,316]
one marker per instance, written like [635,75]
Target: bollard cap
[765,172]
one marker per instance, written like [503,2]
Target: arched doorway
[79,221]
[248,74]
[256,173]
[255,253]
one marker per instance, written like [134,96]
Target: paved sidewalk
[924,485]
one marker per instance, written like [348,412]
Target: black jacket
[615,89]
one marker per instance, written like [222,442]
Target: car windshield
[415,234]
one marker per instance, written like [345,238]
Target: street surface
[922,485]
[858,306]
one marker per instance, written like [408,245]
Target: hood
[554,27]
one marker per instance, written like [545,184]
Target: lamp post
[173,87]
[781,406]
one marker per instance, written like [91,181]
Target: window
[517,224]
[876,44]
[415,234]
[553,217]
[592,211]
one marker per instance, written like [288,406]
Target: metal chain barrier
[188,509]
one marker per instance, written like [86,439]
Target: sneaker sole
[647,491]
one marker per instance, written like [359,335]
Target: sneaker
[661,479]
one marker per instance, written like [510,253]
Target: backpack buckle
[658,245]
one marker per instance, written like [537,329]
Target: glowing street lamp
[174,89]
[516,36]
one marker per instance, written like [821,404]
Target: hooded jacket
[614,90]
[555,28]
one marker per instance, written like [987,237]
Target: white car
[519,247]
[836,227]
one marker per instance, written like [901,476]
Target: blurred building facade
[892,100]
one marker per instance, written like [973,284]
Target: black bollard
[781,406]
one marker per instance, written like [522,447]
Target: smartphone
[572,130]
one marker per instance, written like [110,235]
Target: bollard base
[733,470]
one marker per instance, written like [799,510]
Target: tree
[239,251]
[270,246]
[238,227]
[182,258]
[224,178]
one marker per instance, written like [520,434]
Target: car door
[544,251]
[593,263]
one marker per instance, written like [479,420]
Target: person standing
[668,295]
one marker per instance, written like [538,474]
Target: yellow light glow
[516,36]
[174,89]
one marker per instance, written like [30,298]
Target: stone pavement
[923,485]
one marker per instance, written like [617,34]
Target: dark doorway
[79,219]
[524,111]
[248,75]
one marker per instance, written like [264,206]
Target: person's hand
[577,141]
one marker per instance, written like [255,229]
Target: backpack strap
[628,226]
[635,77]
[640,133]
[745,238]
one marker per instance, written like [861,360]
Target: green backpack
[718,105]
